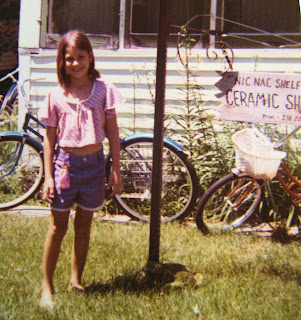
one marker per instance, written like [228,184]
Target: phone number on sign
[282,118]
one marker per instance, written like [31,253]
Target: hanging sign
[260,97]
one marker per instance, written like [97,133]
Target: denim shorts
[87,181]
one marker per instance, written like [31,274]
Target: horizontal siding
[133,72]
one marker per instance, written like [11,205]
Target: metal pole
[155,221]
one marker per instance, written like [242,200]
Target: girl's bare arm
[112,133]
[49,145]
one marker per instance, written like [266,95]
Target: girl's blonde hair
[76,39]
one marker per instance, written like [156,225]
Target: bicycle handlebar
[10,75]
[28,103]
[279,143]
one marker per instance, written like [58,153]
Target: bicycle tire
[21,169]
[9,108]
[214,210]
[179,182]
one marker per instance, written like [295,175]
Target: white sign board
[260,97]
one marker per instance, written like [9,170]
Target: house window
[101,20]
[98,18]
[144,19]
[279,17]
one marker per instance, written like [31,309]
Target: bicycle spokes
[228,203]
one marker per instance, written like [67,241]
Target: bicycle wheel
[9,109]
[179,181]
[228,203]
[21,170]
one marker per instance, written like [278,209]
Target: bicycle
[9,103]
[234,198]
[21,172]
[230,201]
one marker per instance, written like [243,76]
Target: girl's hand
[114,182]
[48,190]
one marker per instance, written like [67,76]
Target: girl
[79,115]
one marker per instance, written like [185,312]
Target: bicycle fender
[166,140]
[17,134]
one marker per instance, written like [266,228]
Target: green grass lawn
[244,276]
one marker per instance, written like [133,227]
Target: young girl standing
[80,113]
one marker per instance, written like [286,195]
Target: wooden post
[155,221]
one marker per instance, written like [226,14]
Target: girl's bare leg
[82,228]
[56,232]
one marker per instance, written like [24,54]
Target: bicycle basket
[255,155]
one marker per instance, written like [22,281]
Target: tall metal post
[155,221]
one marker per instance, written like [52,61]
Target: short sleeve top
[81,122]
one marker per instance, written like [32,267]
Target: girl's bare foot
[75,288]
[46,300]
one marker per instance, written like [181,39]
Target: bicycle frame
[139,175]
[25,137]
[243,197]
[286,187]
[26,127]
[286,170]
[28,116]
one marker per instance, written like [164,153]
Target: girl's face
[77,63]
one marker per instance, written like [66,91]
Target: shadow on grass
[154,276]
[124,283]
[281,235]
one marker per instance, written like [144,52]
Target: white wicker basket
[255,155]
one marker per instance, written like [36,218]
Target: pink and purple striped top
[81,123]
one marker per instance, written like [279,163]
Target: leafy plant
[207,142]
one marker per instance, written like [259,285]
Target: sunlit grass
[244,276]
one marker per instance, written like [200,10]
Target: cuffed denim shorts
[87,181]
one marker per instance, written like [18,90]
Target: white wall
[30,22]
[133,72]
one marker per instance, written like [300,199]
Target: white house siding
[127,68]
[133,72]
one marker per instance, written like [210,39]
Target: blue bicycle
[9,101]
[22,171]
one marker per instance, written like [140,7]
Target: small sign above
[260,97]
